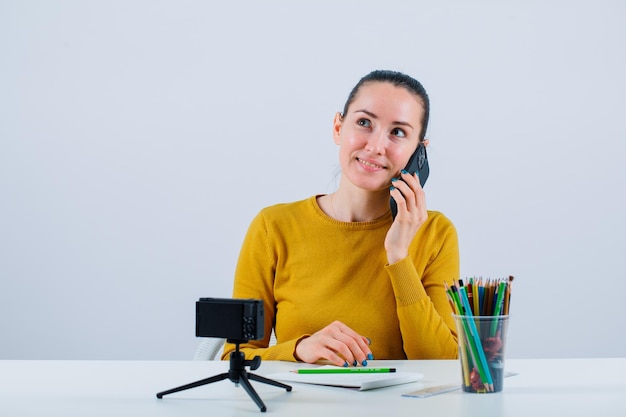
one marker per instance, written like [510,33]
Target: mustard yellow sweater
[310,270]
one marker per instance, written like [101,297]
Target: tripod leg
[243,380]
[269,381]
[205,381]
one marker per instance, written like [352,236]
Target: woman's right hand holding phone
[412,213]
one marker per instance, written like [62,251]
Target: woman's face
[378,134]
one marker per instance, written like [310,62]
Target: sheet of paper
[361,381]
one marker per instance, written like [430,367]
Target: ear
[426,142]
[337,122]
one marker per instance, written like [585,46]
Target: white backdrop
[139,138]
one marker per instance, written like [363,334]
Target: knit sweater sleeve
[424,313]
[254,278]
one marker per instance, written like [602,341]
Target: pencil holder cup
[482,341]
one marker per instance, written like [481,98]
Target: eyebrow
[373,116]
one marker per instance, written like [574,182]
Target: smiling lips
[370,165]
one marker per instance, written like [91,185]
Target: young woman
[342,281]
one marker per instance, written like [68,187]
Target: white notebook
[361,381]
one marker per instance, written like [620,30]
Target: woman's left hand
[412,213]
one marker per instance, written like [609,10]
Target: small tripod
[238,374]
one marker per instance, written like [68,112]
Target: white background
[139,138]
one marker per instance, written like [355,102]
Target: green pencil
[498,308]
[345,370]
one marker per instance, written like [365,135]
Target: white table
[543,387]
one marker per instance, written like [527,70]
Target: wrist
[393,258]
[295,349]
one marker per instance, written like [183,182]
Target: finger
[319,347]
[412,193]
[341,353]
[420,196]
[337,349]
[331,351]
[406,186]
[411,179]
[411,190]
[397,196]
[355,350]
[358,345]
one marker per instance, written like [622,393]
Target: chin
[373,187]
[370,181]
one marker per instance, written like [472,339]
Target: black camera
[230,318]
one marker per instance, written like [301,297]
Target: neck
[359,206]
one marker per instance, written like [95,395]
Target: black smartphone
[418,162]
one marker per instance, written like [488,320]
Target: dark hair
[400,80]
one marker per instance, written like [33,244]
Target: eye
[398,132]
[364,123]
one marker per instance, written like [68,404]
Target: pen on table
[345,370]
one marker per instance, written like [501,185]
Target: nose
[376,143]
